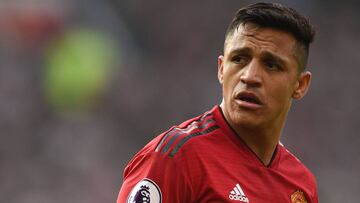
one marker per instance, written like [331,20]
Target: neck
[262,142]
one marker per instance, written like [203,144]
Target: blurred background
[85,84]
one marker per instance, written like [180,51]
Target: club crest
[298,197]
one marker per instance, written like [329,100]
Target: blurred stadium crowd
[85,84]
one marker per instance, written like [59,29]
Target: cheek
[280,95]
[230,81]
[281,86]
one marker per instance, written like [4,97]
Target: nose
[251,74]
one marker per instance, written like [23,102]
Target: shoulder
[293,165]
[184,137]
[180,138]
[175,151]
[174,156]
[295,170]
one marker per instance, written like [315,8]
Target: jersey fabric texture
[203,160]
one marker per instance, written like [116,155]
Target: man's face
[260,75]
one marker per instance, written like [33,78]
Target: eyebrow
[244,50]
[271,56]
[266,54]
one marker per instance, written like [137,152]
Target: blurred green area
[77,69]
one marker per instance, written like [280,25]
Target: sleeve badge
[145,191]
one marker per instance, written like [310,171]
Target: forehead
[261,39]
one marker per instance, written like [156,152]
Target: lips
[248,99]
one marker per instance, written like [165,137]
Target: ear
[220,68]
[302,85]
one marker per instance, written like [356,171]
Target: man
[232,153]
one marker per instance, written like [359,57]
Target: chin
[245,119]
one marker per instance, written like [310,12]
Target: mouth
[248,100]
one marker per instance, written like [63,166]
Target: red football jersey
[203,160]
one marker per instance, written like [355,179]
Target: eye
[239,59]
[273,65]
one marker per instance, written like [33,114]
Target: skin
[263,63]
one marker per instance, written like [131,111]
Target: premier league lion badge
[298,197]
[145,191]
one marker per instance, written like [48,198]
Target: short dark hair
[277,16]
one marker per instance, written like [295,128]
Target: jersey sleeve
[315,197]
[155,177]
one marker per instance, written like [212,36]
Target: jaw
[256,120]
[240,117]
